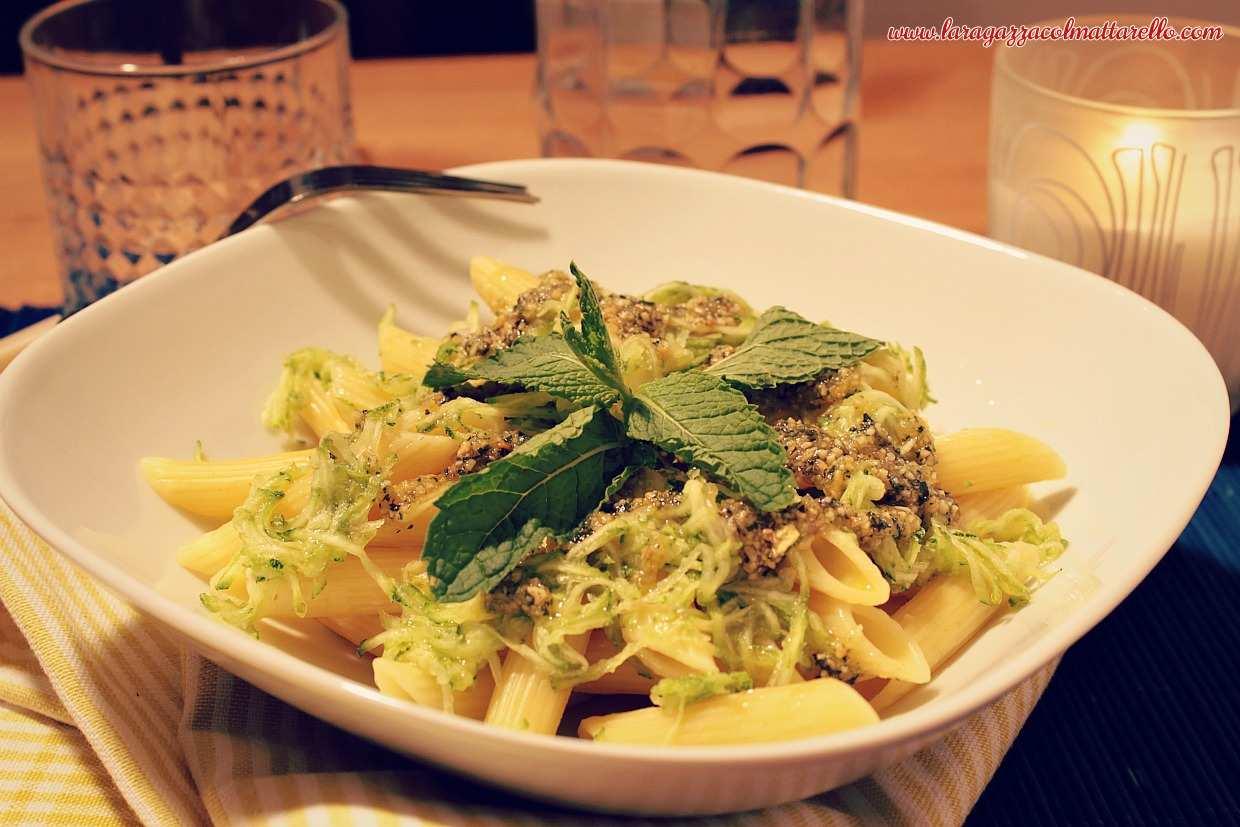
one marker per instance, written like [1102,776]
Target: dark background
[377,28]
[385,28]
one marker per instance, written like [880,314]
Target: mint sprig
[592,343]
[443,375]
[544,363]
[785,348]
[489,521]
[707,423]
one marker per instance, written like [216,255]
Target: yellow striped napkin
[103,720]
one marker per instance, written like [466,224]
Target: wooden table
[922,137]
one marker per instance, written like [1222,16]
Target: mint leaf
[489,521]
[706,422]
[546,364]
[594,340]
[592,343]
[493,563]
[641,455]
[785,348]
[442,375]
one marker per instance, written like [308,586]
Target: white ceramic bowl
[1125,392]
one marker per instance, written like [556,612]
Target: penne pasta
[322,413]
[631,678]
[349,589]
[498,283]
[421,454]
[525,698]
[403,352]
[837,567]
[941,617]
[417,453]
[676,665]
[407,527]
[408,682]
[210,552]
[983,459]
[874,641]
[355,628]
[213,488]
[358,391]
[475,701]
[404,531]
[774,713]
[990,505]
[670,647]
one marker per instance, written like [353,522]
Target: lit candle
[1124,159]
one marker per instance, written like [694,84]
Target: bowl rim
[931,718]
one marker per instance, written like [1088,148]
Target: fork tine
[388,176]
[420,178]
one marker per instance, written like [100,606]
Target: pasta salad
[739,516]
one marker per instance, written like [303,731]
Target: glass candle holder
[1123,157]
[761,88]
[159,122]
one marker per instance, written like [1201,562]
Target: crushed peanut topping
[705,314]
[757,533]
[826,462]
[517,595]
[515,323]
[628,316]
[823,463]
[720,352]
[478,450]
[608,511]
[805,400]
[834,663]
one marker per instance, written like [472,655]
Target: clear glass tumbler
[1123,157]
[762,88]
[160,120]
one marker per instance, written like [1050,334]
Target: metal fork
[318,182]
[307,185]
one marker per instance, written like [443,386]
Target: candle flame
[1140,135]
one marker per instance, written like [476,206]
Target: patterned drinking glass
[762,88]
[1123,157]
[159,121]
